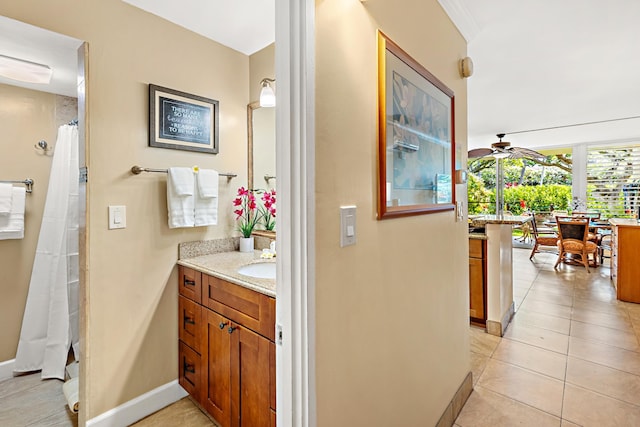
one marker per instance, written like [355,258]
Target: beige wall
[392,311]
[261,64]
[131,342]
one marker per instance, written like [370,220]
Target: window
[613,180]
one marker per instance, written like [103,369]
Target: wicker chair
[547,238]
[574,240]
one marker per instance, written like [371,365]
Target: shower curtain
[50,323]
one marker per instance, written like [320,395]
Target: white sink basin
[260,270]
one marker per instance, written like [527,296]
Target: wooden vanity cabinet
[477,281]
[189,326]
[237,379]
[235,337]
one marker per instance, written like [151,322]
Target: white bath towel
[12,225]
[180,197]
[206,204]
[6,192]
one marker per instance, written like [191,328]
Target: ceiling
[243,25]
[570,67]
[550,64]
[34,44]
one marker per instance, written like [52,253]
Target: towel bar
[136,170]
[27,182]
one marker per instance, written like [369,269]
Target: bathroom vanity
[226,338]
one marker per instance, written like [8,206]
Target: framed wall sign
[416,149]
[182,121]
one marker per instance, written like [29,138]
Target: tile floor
[29,401]
[571,356]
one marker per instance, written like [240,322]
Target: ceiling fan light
[24,71]
[501,155]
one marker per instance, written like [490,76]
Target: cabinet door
[628,254]
[216,367]
[476,290]
[250,379]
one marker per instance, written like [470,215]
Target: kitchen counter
[499,219]
[499,266]
[478,236]
[624,222]
[225,265]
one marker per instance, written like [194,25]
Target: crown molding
[461,17]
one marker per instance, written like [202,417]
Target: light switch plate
[117,217]
[347,226]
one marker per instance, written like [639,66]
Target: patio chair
[593,216]
[547,238]
[573,240]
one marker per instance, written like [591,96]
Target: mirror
[261,150]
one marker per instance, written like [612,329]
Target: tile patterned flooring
[570,357]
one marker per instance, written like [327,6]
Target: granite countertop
[626,222]
[502,219]
[225,265]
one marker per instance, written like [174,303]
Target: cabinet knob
[189,320]
[189,368]
[231,329]
[223,324]
[189,282]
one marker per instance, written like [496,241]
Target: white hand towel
[6,191]
[180,198]
[206,204]
[12,225]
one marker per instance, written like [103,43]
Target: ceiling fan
[504,150]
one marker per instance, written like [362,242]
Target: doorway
[31,114]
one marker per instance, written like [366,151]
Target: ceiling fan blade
[520,152]
[479,152]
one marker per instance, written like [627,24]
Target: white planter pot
[246,244]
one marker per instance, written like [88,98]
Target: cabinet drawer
[189,323]
[249,308]
[189,370]
[476,248]
[190,283]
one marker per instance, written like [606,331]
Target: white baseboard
[140,407]
[6,369]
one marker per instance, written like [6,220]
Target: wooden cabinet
[477,281]
[625,269]
[231,342]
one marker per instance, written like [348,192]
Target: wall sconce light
[24,71]
[466,67]
[267,95]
